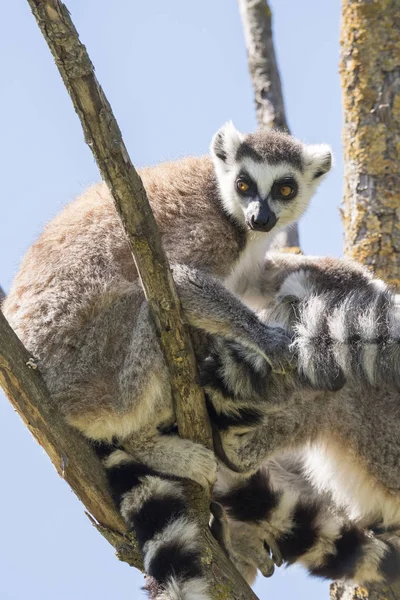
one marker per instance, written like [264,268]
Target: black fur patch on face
[244,417]
[343,564]
[253,501]
[303,535]
[173,560]
[389,566]
[272,147]
[154,515]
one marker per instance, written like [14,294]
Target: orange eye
[242,186]
[285,190]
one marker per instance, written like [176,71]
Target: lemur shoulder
[78,306]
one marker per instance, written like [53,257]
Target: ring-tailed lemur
[78,306]
[346,327]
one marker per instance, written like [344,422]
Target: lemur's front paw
[278,350]
[244,551]
[234,371]
[250,547]
[201,464]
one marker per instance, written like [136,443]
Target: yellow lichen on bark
[370,72]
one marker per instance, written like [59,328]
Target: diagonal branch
[270,109]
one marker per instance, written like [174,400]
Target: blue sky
[173,72]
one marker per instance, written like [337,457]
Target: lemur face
[266,179]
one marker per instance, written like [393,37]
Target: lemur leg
[116,386]
[172,455]
[244,449]
[208,305]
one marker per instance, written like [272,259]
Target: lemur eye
[286,190]
[242,186]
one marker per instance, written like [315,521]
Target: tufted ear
[319,159]
[225,143]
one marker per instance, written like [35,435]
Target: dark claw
[219,526]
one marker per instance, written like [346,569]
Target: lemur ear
[225,143]
[319,159]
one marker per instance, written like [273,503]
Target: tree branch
[2,295]
[22,383]
[270,109]
[370,76]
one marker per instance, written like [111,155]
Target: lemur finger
[272,547]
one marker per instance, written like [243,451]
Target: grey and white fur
[346,328]
[78,306]
[277,516]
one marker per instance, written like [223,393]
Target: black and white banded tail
[276,514]
[154,506]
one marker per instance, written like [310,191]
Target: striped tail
[359,555]
[359,333]
[154,506]
[276,514]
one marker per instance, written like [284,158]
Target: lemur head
[266,178]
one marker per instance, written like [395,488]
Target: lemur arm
[209,306]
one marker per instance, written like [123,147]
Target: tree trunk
[370,74]
[270,109]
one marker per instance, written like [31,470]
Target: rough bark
[257,26]
[18,375]
[2,295]
[340,591]
[370,75]
[270,109]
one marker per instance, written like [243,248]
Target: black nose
[263,224]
